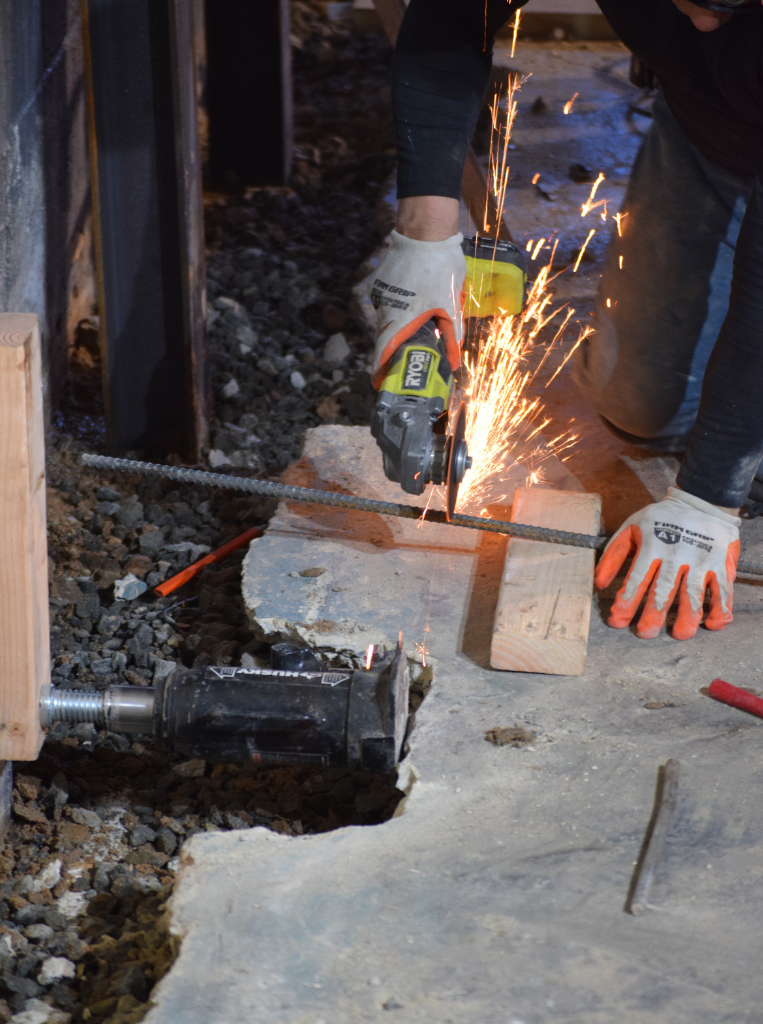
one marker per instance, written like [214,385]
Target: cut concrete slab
[341,580]
[497,894]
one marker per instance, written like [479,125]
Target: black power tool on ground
[419,421]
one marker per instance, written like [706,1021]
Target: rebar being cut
[385,508]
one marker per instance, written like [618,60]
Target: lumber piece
[544,603]
[24,625]
[474,187]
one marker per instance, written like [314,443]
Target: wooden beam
[480,202]
[544,604]
[474,187]
[391,16]
[24,624]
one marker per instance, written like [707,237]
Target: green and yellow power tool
[419,422]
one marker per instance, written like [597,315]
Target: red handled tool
[728,694]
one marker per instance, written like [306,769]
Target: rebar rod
[386,508]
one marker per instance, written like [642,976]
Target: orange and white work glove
[683,546]
[416,282]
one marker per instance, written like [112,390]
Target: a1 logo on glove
[682,546]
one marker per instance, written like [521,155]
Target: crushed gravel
[99,820]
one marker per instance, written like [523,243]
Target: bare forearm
[427,218]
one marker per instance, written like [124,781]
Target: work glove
[683,546]
[418,281]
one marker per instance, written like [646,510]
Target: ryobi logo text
[417,369]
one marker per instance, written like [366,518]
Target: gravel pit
[99,820]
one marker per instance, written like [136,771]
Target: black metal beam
[249,92]
[148,216]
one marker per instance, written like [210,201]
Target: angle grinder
[419,421]
[415,407]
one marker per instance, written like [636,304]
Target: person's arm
[440,71]
[726,445]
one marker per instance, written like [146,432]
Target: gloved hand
[418,281]
[682,545]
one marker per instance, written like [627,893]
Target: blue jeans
[642,370]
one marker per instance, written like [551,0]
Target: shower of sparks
[504,422]
[589,204]
[423,652]
[516,29]
[591,233]
[568,105]
[500,131]
[369,656]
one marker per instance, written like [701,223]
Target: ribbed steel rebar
[386,508]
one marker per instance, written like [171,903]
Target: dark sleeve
[726,445]
[440,71]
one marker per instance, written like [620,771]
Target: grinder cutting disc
[458,460]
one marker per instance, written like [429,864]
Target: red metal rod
[174,582]
[728,694]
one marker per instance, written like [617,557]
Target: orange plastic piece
[175,582]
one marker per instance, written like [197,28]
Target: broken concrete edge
[181,932]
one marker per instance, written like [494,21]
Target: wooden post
[24,624]
[544,604]
[477,196]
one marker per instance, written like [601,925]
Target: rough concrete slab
[497,894]
[380,574]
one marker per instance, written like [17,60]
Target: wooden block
[24,625]
[544,604]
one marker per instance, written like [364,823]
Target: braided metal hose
[386,508]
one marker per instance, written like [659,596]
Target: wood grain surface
[24,624]
[544,605]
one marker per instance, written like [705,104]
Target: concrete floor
[496,895]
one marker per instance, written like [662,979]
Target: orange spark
[538,248]
[621,263]
[609,303]
[516,29]
[529,245]
[369,656]
[589,204]
[536,179]
[591,233]
[568,105]
[423,652]
[619,218]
